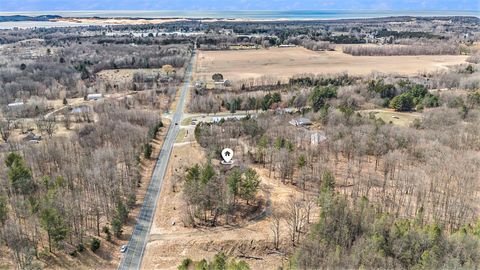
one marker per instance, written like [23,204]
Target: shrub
[147,150]
[430,101]
[95,244]
[106,230]
[319,95]
[217,77]
[186,263]
[117,227]
[473,99]
[80,247]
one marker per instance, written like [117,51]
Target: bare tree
[296,216]
[46,125]
[5,129]
[275,222]
[67,121]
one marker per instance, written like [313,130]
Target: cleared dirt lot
[283,63]
[251,240]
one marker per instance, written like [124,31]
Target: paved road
[132,258]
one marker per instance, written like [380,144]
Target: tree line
[439,48]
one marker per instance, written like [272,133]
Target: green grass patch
[181,135]
[187,121]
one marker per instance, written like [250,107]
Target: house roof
[304,121]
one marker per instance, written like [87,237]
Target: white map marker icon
[227,155]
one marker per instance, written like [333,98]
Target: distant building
[32,137]
[217,119]
[16,104]
[227,83]
[317,137]
[94,96]
[300,122]
[285,110]
[81,109]
[149,78]
[287,45]
[199,84]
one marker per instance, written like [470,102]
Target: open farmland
[283,63]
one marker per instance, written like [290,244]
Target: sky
[72,5]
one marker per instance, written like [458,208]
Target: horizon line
[247,10]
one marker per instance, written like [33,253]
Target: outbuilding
[94,96]
[15,104]
[300,122]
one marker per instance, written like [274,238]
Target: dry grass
[124,75]
[397,118]
[283,63]
[181,135]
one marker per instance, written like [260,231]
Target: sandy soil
[170,242]
[283,63]
[124,21]
[110,21]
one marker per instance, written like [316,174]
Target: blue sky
[68,5]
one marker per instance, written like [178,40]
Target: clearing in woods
[282,63]
[170,241]
[397,118]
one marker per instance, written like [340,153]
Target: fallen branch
[250,257]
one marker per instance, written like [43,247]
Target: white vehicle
[123,249]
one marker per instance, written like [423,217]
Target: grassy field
[396,118]
[187,121]
[181,135]
[283,63]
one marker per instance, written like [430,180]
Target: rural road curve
[132,258]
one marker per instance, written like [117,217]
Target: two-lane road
[132,258]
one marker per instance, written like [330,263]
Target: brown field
[282,63]
[113,21]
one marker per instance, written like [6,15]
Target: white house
[287,45]
[15,104]
[94,96]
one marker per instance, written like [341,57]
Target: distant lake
[259,15]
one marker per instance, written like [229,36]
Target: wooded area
[385,166]
[73,188]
